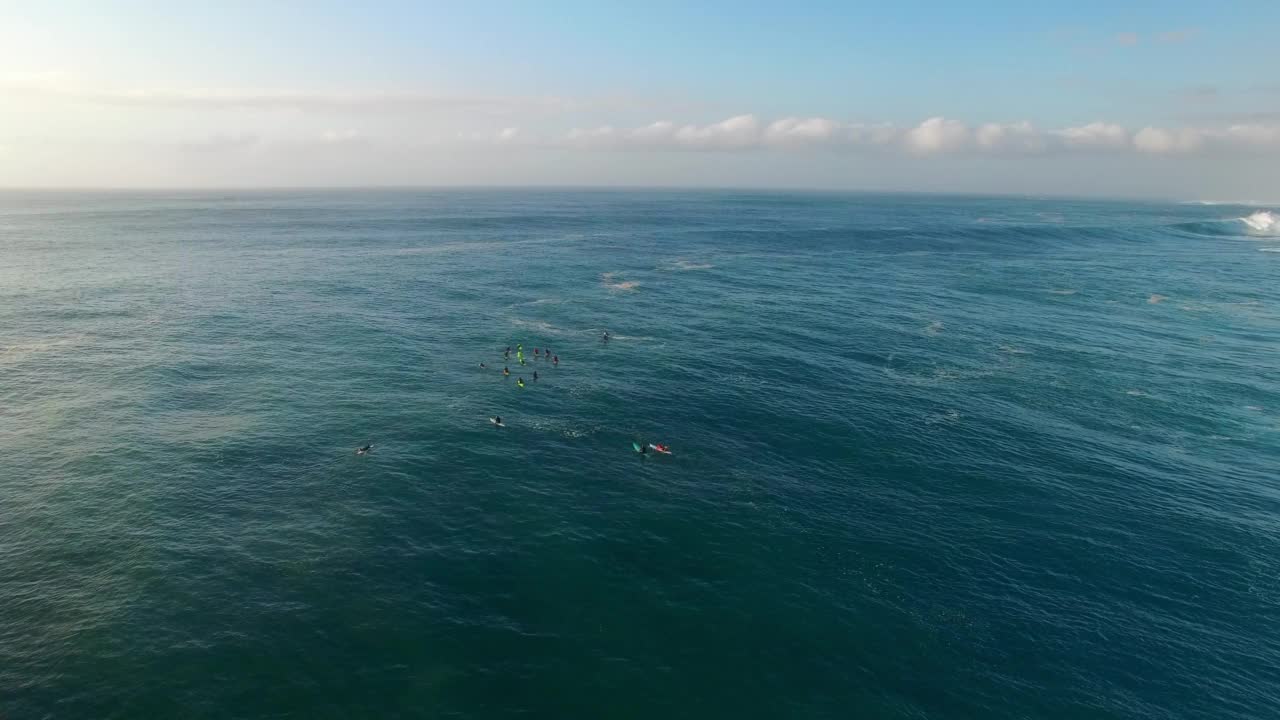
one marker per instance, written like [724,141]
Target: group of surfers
[538,354]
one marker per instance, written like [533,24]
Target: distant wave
[1270,249]
[610,281]
[543,327]
[543,301]
[686,265]
[1243,203]
[1260,223]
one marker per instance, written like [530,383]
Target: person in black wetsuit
[364,450]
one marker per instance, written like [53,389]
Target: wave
[1260,222]
[686,266]
[543,327]
[1263,222]
[1269,249]
[543,301]
[608,279]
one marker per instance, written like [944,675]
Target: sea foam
[1263,222]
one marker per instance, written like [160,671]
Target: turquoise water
[934,457]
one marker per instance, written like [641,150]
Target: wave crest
[1263,222]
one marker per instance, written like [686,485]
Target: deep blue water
[934,457]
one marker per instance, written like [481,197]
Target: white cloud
[1016,137]
[1098,135]
[1252,135]
[937,134]
[1163,141]
[801,131]
[737,132]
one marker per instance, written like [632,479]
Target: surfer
[555,360]
[364,450]
[662,448]
[506,372]
[535,376]
[496,420]
[537,352]
[520,382]
[483,366]
[605,337]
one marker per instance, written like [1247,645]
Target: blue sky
[556,92]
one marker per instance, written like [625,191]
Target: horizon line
[611,188]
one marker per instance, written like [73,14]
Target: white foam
[1263,222]
[541,326]
[608,280]
[685,266]
[1269,249]
[544,301]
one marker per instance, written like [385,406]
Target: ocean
[932,456]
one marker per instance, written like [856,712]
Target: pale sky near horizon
[1172,99]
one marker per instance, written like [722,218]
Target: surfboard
[655,449]
[495,422]
[636,447]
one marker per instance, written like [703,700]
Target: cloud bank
[933,136]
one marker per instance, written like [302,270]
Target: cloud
[1163,141]
[738,132]
[937,134]
[1251,135]
[1177,36]
[1015,137]
[1128,39]
[801,131]
[1096,135]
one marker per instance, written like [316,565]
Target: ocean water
[934,457]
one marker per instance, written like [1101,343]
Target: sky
[1170,99]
